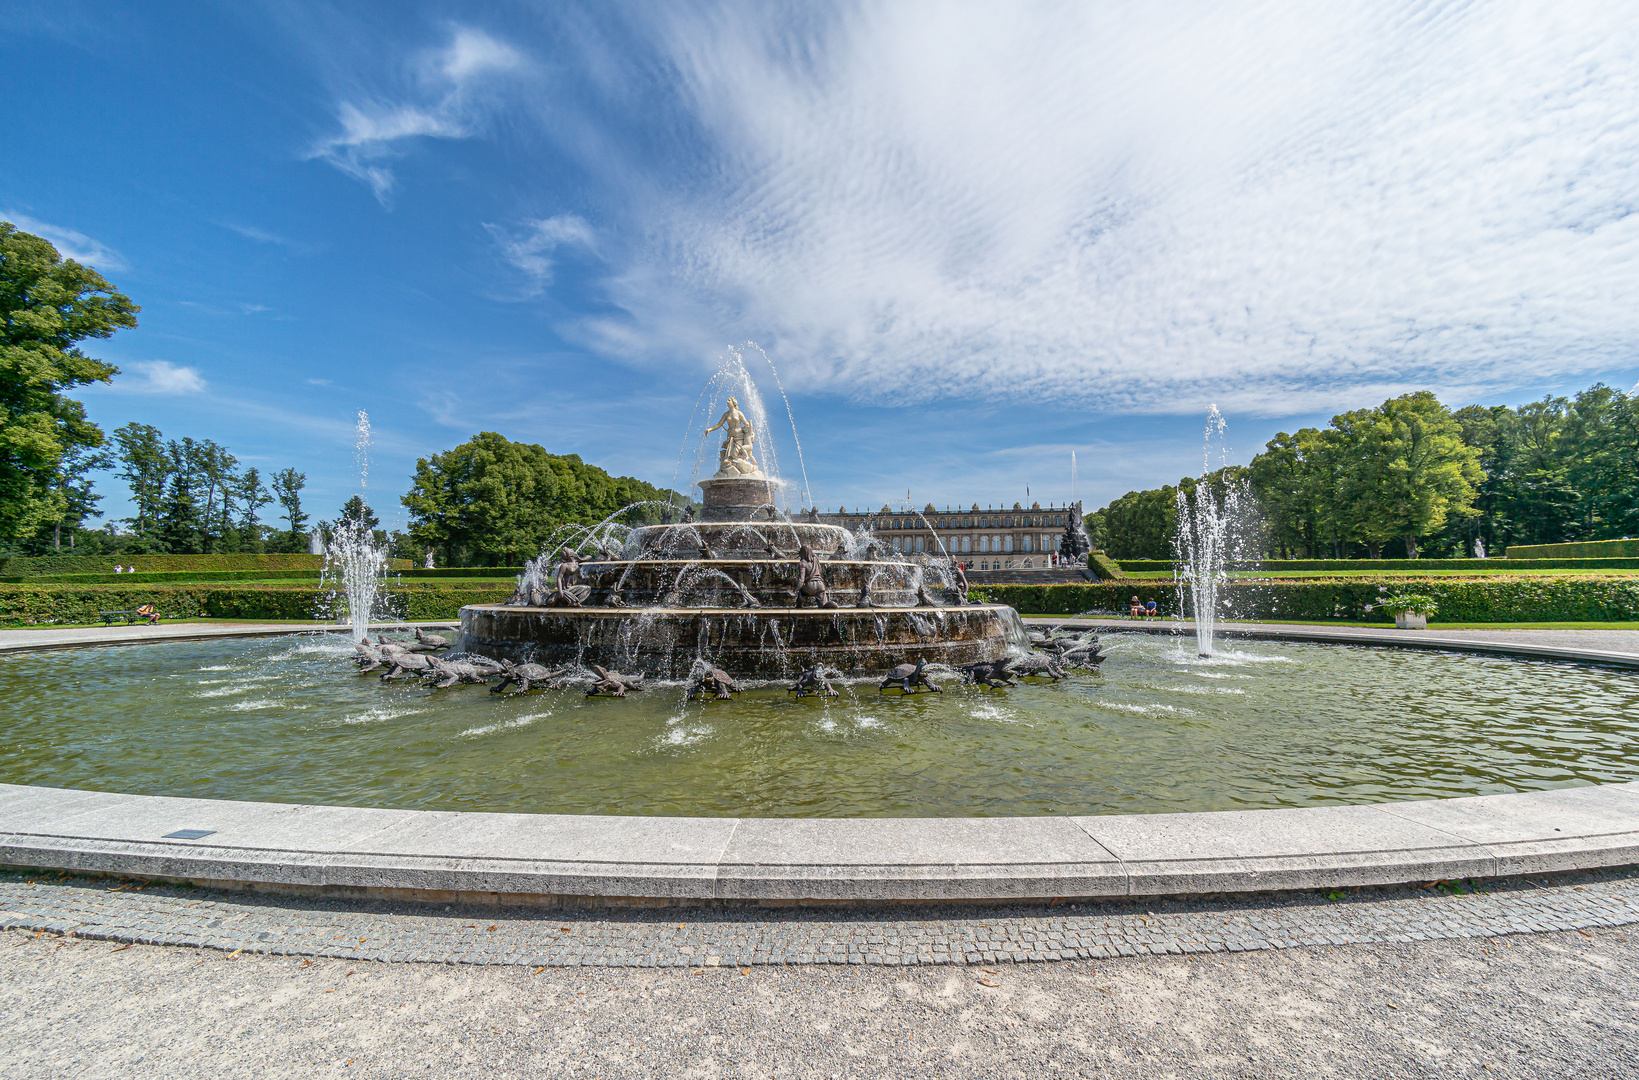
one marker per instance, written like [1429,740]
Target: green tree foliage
[491,501]
[1411,472]
[1408,471]
[145,466]
[287,489]
[180,530]
[1140,524]
[356,510]
[47,306]
[249,496]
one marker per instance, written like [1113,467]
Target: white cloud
[444,102]
[472,52]
[1144,208]
[158,377]
[69,243]
[532,247]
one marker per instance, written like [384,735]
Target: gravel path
[1543,1005]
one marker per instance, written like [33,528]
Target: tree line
[489,501]
[1412,477]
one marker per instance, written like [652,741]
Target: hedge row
[36,604]
[492,572]
[177,577]
[161,564]
[1589,549]
[1562,599]
[1495,566]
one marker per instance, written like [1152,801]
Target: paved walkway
[25,640]
[129,912]
[1620,642]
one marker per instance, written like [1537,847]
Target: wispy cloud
[1141,208]
[234,308]
[262,236]
[158,377]
[531,247]
[70,244]
[444,100]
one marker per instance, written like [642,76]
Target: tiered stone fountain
[745,588]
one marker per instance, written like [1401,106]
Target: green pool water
[1157,729]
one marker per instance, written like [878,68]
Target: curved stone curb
[93,637]
[892,937]
[1401,639]
[554,859]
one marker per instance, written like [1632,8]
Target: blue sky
[973,237]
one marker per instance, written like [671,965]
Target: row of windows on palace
[1041,546]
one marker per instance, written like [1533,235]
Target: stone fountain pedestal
[736,498]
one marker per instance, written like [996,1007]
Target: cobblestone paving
[128,911]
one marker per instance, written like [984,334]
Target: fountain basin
[759,643]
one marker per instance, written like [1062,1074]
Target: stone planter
[1410,620]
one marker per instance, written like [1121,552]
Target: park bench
[130,616]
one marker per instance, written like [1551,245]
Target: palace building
[989,539]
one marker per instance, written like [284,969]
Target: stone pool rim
[575,860]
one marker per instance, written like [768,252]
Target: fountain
[748,587]
[1212,537]
[353,555]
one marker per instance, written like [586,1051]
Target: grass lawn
[1387,575]
[1433,625]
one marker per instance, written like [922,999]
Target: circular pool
[1260,726]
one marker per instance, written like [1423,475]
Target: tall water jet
[353,555]
[1215,535]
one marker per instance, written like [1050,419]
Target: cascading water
[1213,536]
[739,582]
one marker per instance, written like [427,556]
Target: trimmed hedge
[1561,599]
[1588,549]
[181,577]
[495,573]
[163,564]
[1107,568]
[1495,566]
[38,604]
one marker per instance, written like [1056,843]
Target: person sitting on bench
[149,612]
[1137,608]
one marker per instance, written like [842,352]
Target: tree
[145,466]
[1140,524]
[287,488]
[355,510]
[47,305]
[179,528]
[496,502]
[211,468]
[1280,480]
[1417,470]
[74,491]
[251,496]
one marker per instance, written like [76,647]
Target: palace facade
[989,539]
